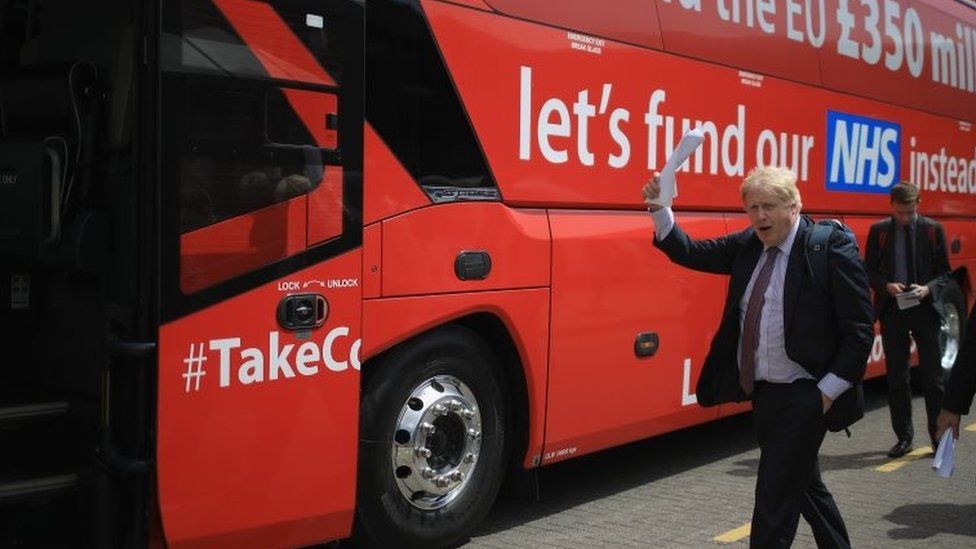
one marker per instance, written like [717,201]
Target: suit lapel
[889,252]
[794,275]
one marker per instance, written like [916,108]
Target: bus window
[227,168]
[301,117]
[251,126]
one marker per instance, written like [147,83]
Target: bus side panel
[961,239]
[568,122]
[257,425]
[757,50]
[525,313]
[633,21]
[420,248]
[391,189]
[819,43]
[609,285]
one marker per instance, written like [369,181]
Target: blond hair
[780,181]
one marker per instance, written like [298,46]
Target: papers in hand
[906,300]
[669,186]
[943,460]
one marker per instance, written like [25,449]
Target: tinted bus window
[251,119]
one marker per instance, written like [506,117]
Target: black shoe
[900,448]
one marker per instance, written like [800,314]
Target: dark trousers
[923,323]
[789,425]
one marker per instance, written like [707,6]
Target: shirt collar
[787,245]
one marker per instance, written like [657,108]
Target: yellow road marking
[971,427]
[898,463]
[734,535]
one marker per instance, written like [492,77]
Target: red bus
[280,272]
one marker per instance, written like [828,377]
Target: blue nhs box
[863,154]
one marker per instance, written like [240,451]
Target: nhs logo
[862,153]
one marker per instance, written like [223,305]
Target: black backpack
[818,244]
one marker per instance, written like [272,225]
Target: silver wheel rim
[436,442]
[949,336]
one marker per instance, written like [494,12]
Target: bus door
[259,166]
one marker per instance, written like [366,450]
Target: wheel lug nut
[440,409]
[467,414]
[474,433]
[428,428]
[427,473]
[455,406]
[422,452]
[469,458]
[457,476]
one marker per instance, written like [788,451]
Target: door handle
[302,311]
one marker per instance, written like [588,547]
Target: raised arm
[711,255]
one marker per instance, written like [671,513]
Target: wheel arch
[509,363]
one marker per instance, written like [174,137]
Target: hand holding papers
[669,186]
[907,299]
[943,460]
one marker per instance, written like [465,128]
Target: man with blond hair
[792,344]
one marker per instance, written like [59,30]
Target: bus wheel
[433,447]
[953,309]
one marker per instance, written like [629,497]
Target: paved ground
[687,488]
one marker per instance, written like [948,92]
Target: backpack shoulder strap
[817,243]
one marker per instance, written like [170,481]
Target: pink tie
[750,328]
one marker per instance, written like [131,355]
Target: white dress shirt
[772,362]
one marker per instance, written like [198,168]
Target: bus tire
[952,307]
[433,442]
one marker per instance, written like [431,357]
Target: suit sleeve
[940,262]
[715,255]
[962,382]
[872,260]
[852,309]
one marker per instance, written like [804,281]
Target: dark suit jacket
[962,383]
[931,262]
[825,331]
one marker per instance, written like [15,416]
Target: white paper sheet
[669,185]
[906,300]
[943,462]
